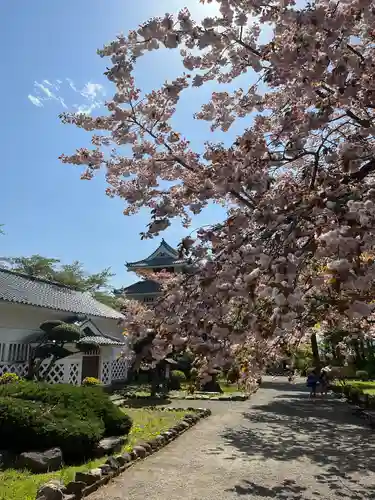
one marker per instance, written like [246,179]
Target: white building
[26,302]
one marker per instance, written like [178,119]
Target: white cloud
[48,90]
[45,90]
[35,100]
[92,90]
[44,93]
[71,85]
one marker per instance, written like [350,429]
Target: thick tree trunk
[315,350]
[154,382]
[50,366]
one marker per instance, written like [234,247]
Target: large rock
[89,477]
[139,451]
[6,459]
[113,463]
[53,490]
[110,445]
[39,462]
[75,488]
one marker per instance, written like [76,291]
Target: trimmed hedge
[355,396]
[179,374]
[37,416]
[30,425]
[86,402]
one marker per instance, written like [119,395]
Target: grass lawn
[367,387]
[20,485]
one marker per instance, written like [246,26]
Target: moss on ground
[368,387]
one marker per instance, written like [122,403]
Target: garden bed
[366,386]
[147,423]
[142,392]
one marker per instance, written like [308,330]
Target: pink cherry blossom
[297,246]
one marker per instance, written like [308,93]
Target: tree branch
[361,174]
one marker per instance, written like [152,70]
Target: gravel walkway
[279,446]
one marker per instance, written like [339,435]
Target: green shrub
[194,374]
[371,401]
[362,374]
[90,381]
[174,382]
[32,425]
[179,374]
[9,378]
[86,402]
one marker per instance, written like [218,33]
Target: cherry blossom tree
[297,245]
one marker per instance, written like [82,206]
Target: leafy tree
[108,299]
[303,358]
[75,276]
[36,265]
[298,183]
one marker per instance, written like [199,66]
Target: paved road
[279,446]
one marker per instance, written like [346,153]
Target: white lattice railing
[75,370]
[106,372]
[63,372]
[19,368]
[70,371]
[119,369]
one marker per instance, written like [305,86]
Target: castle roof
[163,257]
[142,287]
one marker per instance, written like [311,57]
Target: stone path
[279,445]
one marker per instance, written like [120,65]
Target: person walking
[312,382]
[324,380]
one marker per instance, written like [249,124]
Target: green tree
[36,265]
[108,299]
[75,276]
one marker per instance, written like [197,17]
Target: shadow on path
[318,439]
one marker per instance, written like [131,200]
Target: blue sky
[50,47]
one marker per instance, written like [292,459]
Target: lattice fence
[74,374]
[56,375]
[19,368]
[119,369]
[106,373]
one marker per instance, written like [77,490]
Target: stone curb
[89,481]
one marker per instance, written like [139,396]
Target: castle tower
[164,258]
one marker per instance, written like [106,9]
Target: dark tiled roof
[145,286]
[157,262]
[24,289]
[100,341]
[170,258]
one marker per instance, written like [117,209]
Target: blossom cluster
[297,243]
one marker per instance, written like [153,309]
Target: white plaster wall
[18,321]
